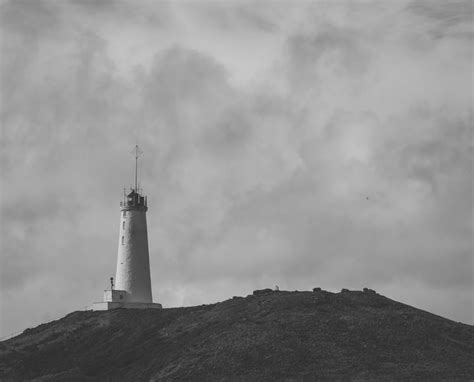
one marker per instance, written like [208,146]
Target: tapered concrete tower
[132,287]
[133,263]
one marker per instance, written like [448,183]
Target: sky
[293,143]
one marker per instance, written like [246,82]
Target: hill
[267,336]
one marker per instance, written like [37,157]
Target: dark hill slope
[290,336]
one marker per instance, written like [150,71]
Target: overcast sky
[288,143]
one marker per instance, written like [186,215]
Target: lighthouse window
[123,240]
[123,225]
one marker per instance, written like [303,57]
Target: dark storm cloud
[241,15]
[31,19]
[143,12]
[345,162]
[306,50]
[180,79]
[448,16]
[452,11]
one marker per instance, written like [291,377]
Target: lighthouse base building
[132,287]
[113,299]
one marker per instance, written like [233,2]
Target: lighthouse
[132,285]
[133,264]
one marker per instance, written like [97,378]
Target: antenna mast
[137,153]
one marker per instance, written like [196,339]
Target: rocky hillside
[267,336]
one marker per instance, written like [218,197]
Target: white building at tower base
[114,299]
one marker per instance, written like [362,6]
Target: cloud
[297,147]
[448,19]
[31,20]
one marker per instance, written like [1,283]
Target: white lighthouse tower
[132,287]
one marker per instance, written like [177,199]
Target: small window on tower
[123,225]
[124,213]
[123,240]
